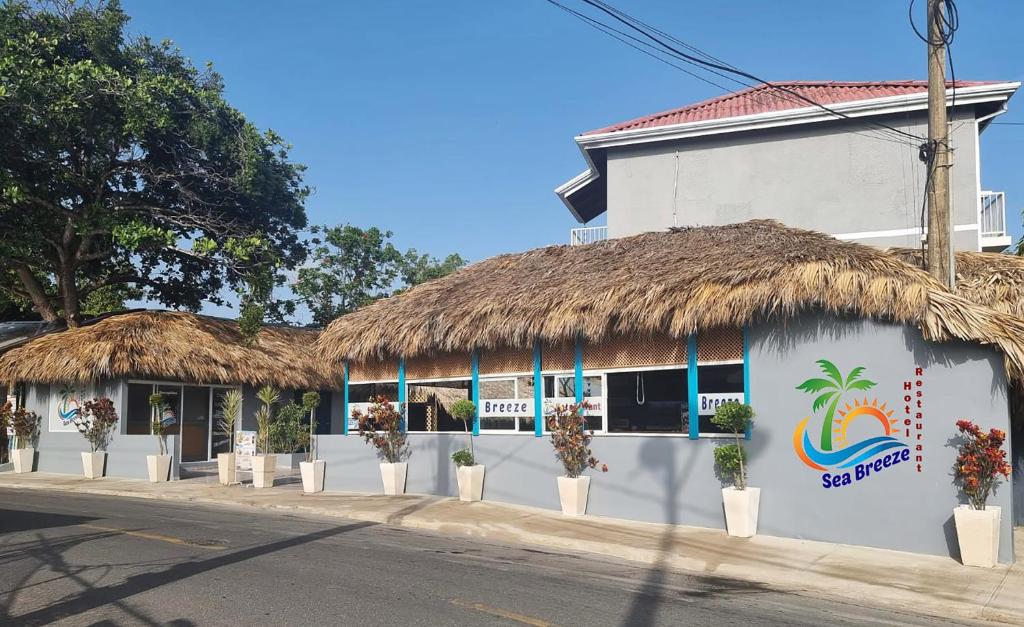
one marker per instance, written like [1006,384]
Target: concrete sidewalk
[875,577]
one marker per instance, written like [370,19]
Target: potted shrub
[381,427]
[979,463]
[25,425]
[571,441]
[263,463]
[469,473]
[230,409]
[96,422]
[741,502]
[158,466]
[313,469]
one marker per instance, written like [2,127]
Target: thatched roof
[995,280]
[167,345]
[678,282]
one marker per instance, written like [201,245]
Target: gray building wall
[834,177]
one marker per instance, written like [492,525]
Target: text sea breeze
[861,471]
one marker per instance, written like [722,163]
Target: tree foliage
[124,173]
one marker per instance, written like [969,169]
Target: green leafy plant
[96,422]
[571,439]
[464,410]
[463,457]
[831,389]
[288,431]
[381,427]
[269,397]
[156,423]
[980,462]
[25,424]
[230,410]
[731,459]
[310,401]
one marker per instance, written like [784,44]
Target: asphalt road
[91,560]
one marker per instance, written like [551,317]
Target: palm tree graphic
[832,388]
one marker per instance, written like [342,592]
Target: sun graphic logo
[69,407]
[842,457]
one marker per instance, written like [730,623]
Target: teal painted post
[578,379]
[401,393]
[691,386]
[746,373]
[476,391]
[538,392]
[344,403]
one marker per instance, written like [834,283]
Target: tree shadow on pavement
[13,521]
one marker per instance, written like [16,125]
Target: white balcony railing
[993,214]
[587,235]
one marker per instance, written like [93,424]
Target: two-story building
[765,153]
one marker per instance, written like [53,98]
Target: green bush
[733,417]
[288,430]
[731,459]
[463,410]
[463,457]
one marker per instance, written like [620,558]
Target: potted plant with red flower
[25,425]
[979,464]
[571,441]
[381,427]
[96,423]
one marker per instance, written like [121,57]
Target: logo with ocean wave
[839,454]
[69,406]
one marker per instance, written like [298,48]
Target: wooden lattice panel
[439,366]
[359,372]
[558,357]
[721,344]
[635,351]
[506,360]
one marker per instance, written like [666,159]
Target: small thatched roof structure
[995,280]
[167,345]
[679,282]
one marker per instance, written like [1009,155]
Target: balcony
[992,222]
[587,235]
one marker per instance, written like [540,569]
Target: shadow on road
[13,521]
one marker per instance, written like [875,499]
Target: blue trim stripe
[746,373]
[578,382]
[401,393]
[344,403]
[691,386]
[538,391]
[475,360]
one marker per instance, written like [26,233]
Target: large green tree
[124,172]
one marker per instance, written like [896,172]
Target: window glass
[717,385]
[650,401]
[139,412]
[506,404]
[428,405]
[363,392]
[170,414]
[561,390]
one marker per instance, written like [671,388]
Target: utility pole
[941,261]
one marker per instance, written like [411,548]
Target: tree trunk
[37,294]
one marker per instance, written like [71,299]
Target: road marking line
[152,536]
[497,611]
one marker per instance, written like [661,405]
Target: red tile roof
[766,98]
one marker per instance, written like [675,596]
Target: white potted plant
[571,441]
[25,425]
[980,462]
[313,469]
[381,427]
[741,501]
[470,474]
[95,421]
[158,466]
[230,409]
[263,463]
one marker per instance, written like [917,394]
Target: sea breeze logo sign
[67,408]
[840,455]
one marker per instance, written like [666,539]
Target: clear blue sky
[451,122]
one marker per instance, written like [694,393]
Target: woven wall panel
[558,357]
[635,351]
[721,344]
[439,366]
[372,371]
[506,360]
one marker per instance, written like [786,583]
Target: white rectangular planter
[977,531]
[573,492]
[24,459]
[393,476]
[94,464]
[313,475]
[159,467]
[263,467]
[226,468]
[471,482]
[741,510]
